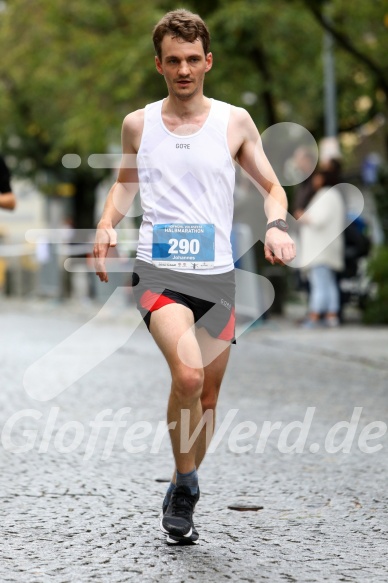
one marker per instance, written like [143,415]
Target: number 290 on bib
[183,245]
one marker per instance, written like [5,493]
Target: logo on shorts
[227,305]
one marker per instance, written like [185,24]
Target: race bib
[185,246]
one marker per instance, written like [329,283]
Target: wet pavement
[80,501]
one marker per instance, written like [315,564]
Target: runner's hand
[278,247]
[105,238]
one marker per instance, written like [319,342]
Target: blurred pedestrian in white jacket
[322,248]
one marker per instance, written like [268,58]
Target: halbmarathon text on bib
[183,246]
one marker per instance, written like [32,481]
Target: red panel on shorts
[228,332]
[152,301]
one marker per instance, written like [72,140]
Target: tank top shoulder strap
[152,113]
[220,115]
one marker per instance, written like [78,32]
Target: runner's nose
[184,69]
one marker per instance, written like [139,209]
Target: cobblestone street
[89,514]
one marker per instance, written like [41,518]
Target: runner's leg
[172,325]
[168,325]
[214,373]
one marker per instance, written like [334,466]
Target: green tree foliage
[71,70]
[269,50]
[376,309]
[360,31]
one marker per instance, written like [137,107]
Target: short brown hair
[183,24]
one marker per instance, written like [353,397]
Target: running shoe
[183,540]
[177,517]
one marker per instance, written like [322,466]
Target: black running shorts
[211,298]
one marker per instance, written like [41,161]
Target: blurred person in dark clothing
[7,197]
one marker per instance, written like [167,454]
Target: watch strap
[279,224]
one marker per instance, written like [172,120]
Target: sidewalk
[81,512]
[352,341]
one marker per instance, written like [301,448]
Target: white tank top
[186,190]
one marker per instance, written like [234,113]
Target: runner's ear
[158,65]
[209,62]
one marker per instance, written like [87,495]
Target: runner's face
[183,66]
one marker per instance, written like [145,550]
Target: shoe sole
[182,541]
[176,540]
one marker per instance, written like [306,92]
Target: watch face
[283,225]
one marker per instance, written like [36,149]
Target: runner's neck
[176,112]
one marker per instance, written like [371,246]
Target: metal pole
[330,101]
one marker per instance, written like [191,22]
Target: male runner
[185,147]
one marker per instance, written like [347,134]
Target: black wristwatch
[279,224]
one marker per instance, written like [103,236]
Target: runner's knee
[188,383]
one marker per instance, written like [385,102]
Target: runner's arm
[7,197]
[278,246]
[7,201]
[120,196]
